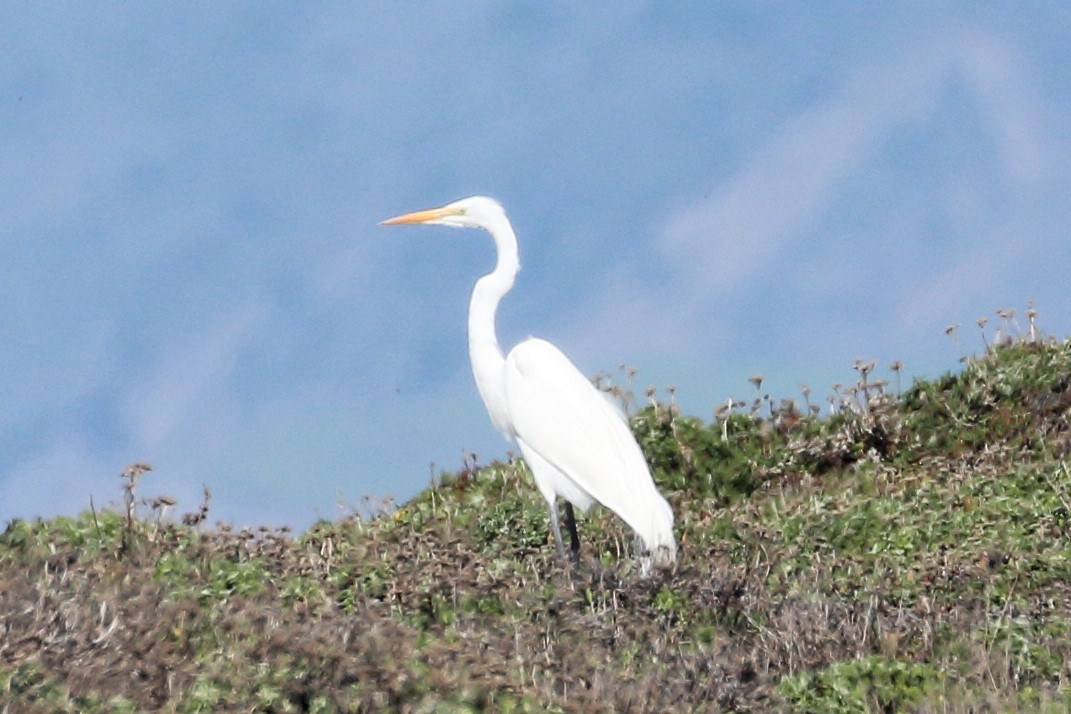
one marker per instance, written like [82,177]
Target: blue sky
[192,272]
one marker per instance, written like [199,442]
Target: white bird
[577,443]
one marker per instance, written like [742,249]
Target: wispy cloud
[997,74]
[178,416]
[61,479]
[187,392]
[753,223]
[719,244]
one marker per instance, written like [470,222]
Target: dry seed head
[863,368]
[136,469]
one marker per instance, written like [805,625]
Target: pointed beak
[419,216]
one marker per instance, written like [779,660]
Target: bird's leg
[574,539]
[556,530]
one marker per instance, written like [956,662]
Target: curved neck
[490,289]
[484,352]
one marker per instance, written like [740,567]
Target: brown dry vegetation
[910,553]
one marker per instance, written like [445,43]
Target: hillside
[912,552]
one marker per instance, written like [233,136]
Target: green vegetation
[908,553]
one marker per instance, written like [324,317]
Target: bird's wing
[557,413]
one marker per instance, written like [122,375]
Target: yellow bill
[430,214]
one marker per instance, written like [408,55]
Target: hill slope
[907,553]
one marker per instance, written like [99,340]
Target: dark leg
[574,539]
[556,530]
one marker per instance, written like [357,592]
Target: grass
[907,553]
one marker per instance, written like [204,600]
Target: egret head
[472,212]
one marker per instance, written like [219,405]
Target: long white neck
[488,363]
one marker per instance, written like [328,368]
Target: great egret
[577,443]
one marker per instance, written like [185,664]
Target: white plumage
[577,444]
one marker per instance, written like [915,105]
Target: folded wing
[572,426]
